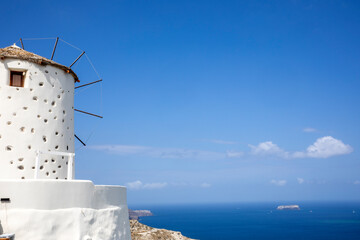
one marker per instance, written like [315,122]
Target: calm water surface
[318,221]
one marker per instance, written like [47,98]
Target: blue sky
[210,101]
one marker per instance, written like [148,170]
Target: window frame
[17,72]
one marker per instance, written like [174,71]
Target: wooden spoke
[77,59]
[79,140]
[88,113]
[22,44]
[88,84]
[52,55]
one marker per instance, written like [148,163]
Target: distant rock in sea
[288,207]
[135,214]
[140,231]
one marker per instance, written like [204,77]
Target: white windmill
[39,197]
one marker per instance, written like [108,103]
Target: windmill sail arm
[88,113]
[88,84]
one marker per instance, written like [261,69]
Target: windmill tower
[39,198]
[36,114]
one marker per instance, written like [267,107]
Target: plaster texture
[63,209]
[70,223]
[38,116]
[59,194]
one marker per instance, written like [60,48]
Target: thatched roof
[18,53]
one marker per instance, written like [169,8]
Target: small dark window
[5,200]
[16,79]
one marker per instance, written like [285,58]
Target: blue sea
[255,221]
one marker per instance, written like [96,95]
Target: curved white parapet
[69,223]
[60,209]
[57,194]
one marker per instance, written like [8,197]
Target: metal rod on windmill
[79,140]
[88,113]
[88,84]
[22,44]
[77,59]
[52,55]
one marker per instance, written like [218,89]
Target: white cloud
[155,185]
[299,155]
[308,129]
[322,148]
[122,149]
[234,154]
[217,141]
[326,147]
[300,180]
[179,184]
[205,185]
[279,183]
[357,182]
[268,148]
[172,153]
[136,185]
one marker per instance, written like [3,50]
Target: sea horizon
[138,206]
[254,220]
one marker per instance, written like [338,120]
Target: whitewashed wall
[39,116]
[63,209]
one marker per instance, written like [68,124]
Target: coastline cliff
[136,214]
[140,231]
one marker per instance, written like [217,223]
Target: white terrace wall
[39,116]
